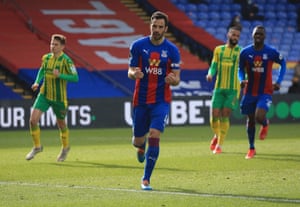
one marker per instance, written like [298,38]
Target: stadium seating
[213,17]
[7,93]
[280,20]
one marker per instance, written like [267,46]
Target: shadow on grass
[236,196]
[271,156]
[86,164]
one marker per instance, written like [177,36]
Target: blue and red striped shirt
[256,66]
[156,62]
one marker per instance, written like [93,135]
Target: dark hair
[59,37]
[260,27]
[160,15]
[236,27]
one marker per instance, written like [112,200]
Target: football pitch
[102,170]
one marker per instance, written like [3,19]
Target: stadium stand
[101,57]
[280,20]
[27,27]
[7,93]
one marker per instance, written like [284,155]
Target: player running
[255,74]
[55,71]
[154,65]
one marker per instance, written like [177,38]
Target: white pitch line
[256,198]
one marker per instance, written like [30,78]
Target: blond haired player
[56,70]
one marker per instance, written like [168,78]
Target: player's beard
[233,42]
[157,37]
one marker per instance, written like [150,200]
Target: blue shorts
[150,116]
[250,103]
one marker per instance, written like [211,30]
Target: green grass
[102,170]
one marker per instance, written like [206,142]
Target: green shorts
[224,98]
[43,104]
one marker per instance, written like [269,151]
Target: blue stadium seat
[202,8]
[296,43]
[246,30]
[217,1]
[269,23]
[191,8]
[294,55]
[236,7]
[286,42]
[297,36]
[269,8]
[225,15]
[226,2]
[214,16]
[280,22]
[270,15]
[211,30]
[291,8]
[262,2]
[202,16]
[273,1]
[182,1]
[193,16]
[288,36]
[278,30]
[284,47]
[280,7]
[246,23]
[222,30]
[221,37]
[181,7]
[292,15]
[256,22]
[200,23]
[214,7]
[225,7]
[269,29]
[281,15]
[214,24]
[224,22]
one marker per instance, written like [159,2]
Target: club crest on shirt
[154,59]
[164,53]
[265,56]
[257,63]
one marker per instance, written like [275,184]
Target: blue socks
[265,123]
[151,157]
[251,136]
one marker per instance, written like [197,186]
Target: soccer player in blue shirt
[154,64]
[255,74]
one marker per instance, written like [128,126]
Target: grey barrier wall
[116,112]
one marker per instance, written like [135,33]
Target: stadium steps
[134,7]
[12,82]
